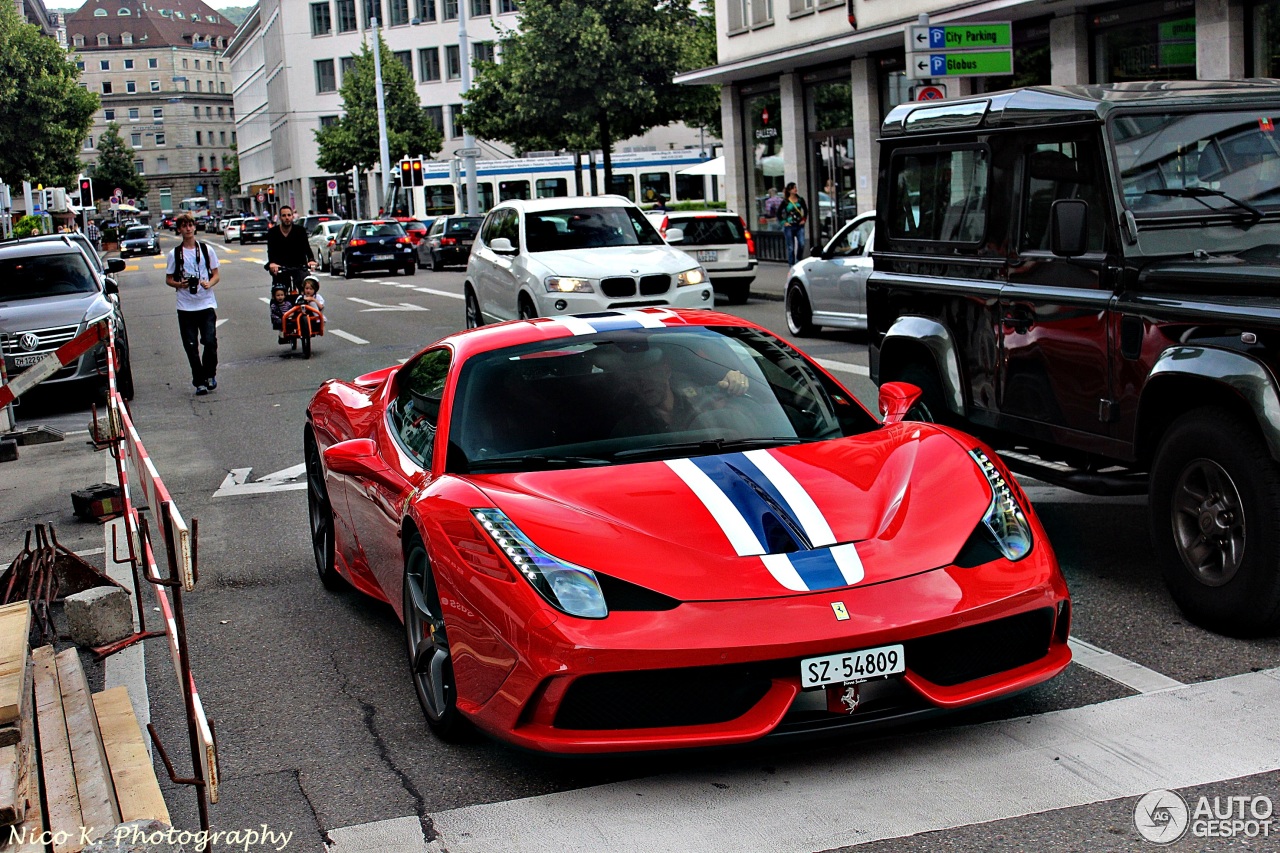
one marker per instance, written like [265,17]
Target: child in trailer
[311,293]
[279,304]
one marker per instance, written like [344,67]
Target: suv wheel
[737,293]
[930,406]
[474,318]
[798,311]
[1215,522]
[527,311]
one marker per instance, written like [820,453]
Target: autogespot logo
[1161,817]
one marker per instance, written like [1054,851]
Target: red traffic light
[86,189]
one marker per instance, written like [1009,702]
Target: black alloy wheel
[474,318]
[427,642]
[930,406]
[320,516]
[348,271]
[798,311]
[527,311]
[436,263]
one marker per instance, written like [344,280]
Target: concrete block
[99,615]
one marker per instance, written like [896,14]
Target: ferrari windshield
[641,394]
[1190,163]
[588,228]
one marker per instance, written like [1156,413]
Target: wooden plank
[13,766]
[93,779]
[61,795]
[25,837]
[132,772]
[15,628]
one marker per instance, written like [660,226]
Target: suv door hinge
[1106,411]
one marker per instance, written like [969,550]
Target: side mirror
[115,265]
[675,235]
[1069,227]
[896,399]
[358,457]
[110,287]
[817,252]
[502,246]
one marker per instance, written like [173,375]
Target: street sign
[333,186]
[262,197]
[929,93]
[467,152]
[118,192]
[962,36]
[962,63]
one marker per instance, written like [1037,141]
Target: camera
[193,283]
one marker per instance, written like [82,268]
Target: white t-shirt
[193,264]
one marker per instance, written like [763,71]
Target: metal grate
[966,654]
[617,287]
[653,284]
[50,339]
[662,698]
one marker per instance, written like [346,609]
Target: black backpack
[177,258]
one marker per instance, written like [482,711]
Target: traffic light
[406,173]
[86,191]
[271,191]
[417,172]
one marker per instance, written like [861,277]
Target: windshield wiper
[1200,193]
[534,461]
[707,446]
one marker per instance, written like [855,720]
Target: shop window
[1155,41]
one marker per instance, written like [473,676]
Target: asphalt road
[320,734]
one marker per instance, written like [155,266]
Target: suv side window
[489,229]
[1055,171]
[940,196]
[509,226]
[416,410]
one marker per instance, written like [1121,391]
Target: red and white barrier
[55,361]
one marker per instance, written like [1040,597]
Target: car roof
[36,246]
[567,202]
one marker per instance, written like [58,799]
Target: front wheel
[474,318]
[930,406]
[798,311]
[1215,522]
[436,263]
[347,271]
[305,328]
[427,642]
[527,311]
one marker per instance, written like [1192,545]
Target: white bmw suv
[538,258]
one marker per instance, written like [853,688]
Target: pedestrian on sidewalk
[192,272]
[794,215]
[94,235]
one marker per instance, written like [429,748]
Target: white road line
[435,292]
[347,336]
[218,325]
[1121,670]
[842,366]
[265,299]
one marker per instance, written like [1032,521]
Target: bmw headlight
[568,284]
[1004,520]
[697,275]
[567,587]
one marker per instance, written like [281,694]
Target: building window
[199,137]
[455,120]
[208,65]
[761,12]
[99,13]
[155,85]
[483,51]
[128,64]
[162,168]
[157,113]
[134,114]
[424,10]
[104,64]
[195,111]
[199,85]
[103,41]
[406,59]
[450,10]
[131,87]
[452,62]
[220,112]
[88,142]
[166,198]
[108,115]
[326,80]
[222,87]
[348,63]
[127,38]
[123,12]
[397,12]
[222,137]
[373,9]
[321,19]
[77,41]
[152,62]
[213,162]
[481,7]
[79,64]
[505,6]
[428,64]
[739,14]
[435,115]
[159,138]
[135,139]
[200,162]
[328,121]
[346,10]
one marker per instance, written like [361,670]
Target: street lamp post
[468,141]
[384,152]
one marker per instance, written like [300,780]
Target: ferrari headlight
[697,275]
[570,588]
[1004,519]
[568,284]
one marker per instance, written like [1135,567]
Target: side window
[1055,171]
[416,411]
[489,229]
[509,227]
[940,196]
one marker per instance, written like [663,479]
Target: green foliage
[353,140]
[110,234]
[115,167]
[44,115]
[27,225]
[231,171]
[580,74]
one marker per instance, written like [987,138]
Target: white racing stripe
[807,513]
[735,527]
[576,326]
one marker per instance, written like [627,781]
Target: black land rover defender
[1089,278]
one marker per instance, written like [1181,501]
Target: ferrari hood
[789,520]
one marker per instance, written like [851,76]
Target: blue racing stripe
[610,322]
[742,482]
[817,569]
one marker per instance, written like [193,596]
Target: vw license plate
[851,666]
[27,360]
[384,257]
[708,255]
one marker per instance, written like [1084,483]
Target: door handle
[1019,317]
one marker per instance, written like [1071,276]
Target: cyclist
[289,255]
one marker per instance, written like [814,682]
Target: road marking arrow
[237,483]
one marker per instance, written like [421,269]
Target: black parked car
[449,241]
[139,240]
[254,231]
[372,244]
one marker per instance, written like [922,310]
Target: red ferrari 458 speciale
[652,529]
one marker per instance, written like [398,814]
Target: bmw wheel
[799,312]
[427,641]
[475,319]
[320,516]
[527,311]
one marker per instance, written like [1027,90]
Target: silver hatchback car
[830,288]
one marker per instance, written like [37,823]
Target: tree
[353,140]
[115,167]
[231,171]
[44,115]
[583,73]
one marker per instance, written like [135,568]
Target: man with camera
[192,272]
